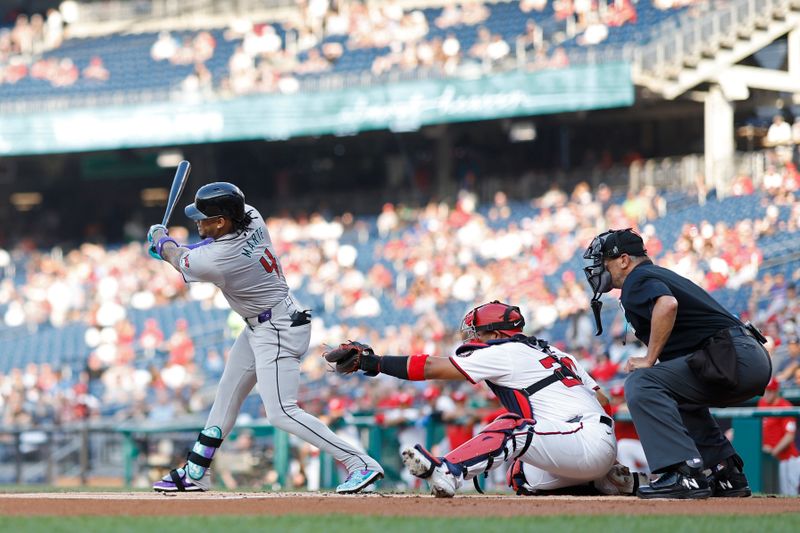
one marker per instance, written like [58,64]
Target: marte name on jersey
[253,242]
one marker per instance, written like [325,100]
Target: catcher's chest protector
[517,400]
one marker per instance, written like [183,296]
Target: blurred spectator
[778,440]
[784,371]
[96,70]
[180,344]
[151,338]
[779,132]
[164,48]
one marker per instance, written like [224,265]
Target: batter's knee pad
[203,451]
[496,439]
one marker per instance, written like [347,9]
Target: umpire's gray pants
[669,406]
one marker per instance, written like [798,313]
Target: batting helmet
[219,199]
[494,316]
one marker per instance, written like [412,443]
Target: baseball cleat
[419,461]
[682,483]
[178,481]
[423,465]
[729,485]
[727,479]
[358,480]
[620,481]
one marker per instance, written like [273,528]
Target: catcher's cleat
[419,461]
[620,481]
[358,481]
[178,481]
[423,465]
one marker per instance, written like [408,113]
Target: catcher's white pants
[564,454]
[268,356]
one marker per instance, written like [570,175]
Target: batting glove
[152,236]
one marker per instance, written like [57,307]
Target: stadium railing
[95,453]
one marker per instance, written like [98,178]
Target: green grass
[353,524]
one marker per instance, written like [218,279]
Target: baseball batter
[238,257]
[555,434]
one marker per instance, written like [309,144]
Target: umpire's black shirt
[699,315]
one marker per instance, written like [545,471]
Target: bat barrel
[178,183]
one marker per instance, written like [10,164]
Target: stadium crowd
[423,261]
[271,55]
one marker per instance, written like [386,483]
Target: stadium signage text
[400,107]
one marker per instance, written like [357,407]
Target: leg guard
[515,477]
[508,437]
[203,451]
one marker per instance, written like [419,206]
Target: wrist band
[416,367]
[161,242]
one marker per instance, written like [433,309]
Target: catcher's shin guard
[508,437]
[515,477]
[203,451]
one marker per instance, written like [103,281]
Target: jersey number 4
[569,381]
[270,264]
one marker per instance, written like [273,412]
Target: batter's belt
[281,308]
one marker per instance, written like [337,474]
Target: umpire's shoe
[727,479]
[682,482]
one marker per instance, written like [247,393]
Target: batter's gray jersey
[243,265]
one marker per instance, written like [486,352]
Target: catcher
[555,435]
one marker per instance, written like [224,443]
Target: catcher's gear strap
[470,347]
[492,441]
[558,374]
[435,461]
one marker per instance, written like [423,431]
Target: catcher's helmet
[494,316]
[217,199]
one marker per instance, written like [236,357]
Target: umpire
[706,357]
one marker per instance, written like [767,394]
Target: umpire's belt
[603,419]
[740,331]
[266,316]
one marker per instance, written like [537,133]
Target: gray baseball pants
[669,406]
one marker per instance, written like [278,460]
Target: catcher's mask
[494,316]
[608,245]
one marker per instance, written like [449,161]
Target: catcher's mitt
[347,357]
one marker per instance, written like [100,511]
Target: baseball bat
[178,183]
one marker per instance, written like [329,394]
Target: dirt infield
[147,504]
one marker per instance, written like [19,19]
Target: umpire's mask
[611,244]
